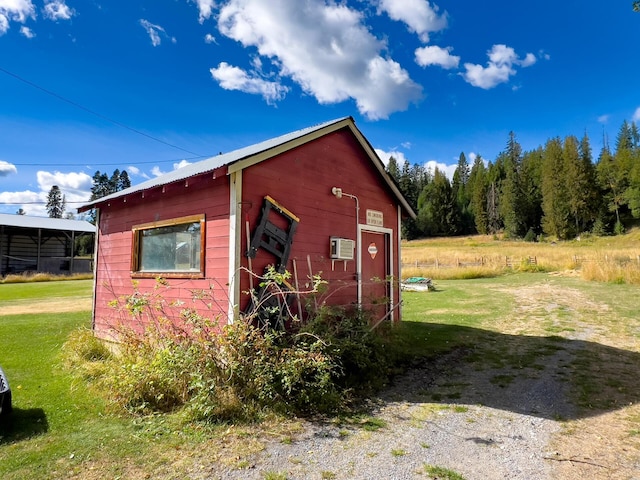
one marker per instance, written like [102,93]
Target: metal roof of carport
[26,221]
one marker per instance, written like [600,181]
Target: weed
[373,424]
[398,452]
[441,473]
[271,475]
[327,475]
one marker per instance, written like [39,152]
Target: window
[171,247]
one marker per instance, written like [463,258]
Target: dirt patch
[57,305]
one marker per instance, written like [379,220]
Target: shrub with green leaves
[240,371]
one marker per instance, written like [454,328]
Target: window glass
[174,246]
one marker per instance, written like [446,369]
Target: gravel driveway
[470,415]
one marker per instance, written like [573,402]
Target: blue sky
[90,85]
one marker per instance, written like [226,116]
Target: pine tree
[55,202]
[555,203]
[438,212]
[392,168]
[460,187]
[510,193]
[531,193]
[478,194]
[104,185]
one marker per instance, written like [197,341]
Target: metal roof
[254,154]
[25,221]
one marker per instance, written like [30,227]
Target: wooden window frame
[136,232]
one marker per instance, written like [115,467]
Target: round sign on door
[373,250]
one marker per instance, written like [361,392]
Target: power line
[92,112]
[41,203]
[30,164]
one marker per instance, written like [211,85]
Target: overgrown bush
[364,354]
[239,371]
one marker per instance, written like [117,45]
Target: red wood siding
[113,278]
[301,180]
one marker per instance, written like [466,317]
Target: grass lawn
[62,429]
[57,425]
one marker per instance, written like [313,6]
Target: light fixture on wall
[338,193]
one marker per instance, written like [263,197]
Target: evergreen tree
[495,177]
[437,209]
[632,193]
[510,193]
[613,178]
[392,168]
[531,192]
[55,202]
[460,189]
[555,203]
[478,194]
[104,185]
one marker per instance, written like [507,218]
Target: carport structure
[41,244]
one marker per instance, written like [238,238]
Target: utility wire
[99,115]
[155,162]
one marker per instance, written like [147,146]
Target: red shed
[314,202]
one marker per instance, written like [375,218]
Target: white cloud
[75,186]
[636,115]
[499,69]
[156,172]
[27,200]
[27,32]
[155,32]
[434,55]
[208,38]
[603,119]
[418,15]
[7,168]
[448,170]
[182,163]
[136,171]
[234,78]
[15,11]
[72,184]
[58,10]
[385,156]
[206,9]
[346,61]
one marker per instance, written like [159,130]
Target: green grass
[10,292]
[59,427]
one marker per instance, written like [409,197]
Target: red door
[375,273]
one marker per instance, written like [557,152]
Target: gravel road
[467,436]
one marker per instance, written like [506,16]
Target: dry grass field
[610,259]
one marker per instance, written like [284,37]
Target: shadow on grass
[548,377]
[21,424]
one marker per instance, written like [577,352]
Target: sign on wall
[375,218]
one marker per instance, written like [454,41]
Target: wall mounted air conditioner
[342,248]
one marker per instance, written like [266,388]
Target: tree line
[555,190]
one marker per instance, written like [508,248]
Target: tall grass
[31,277]
[606,259]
